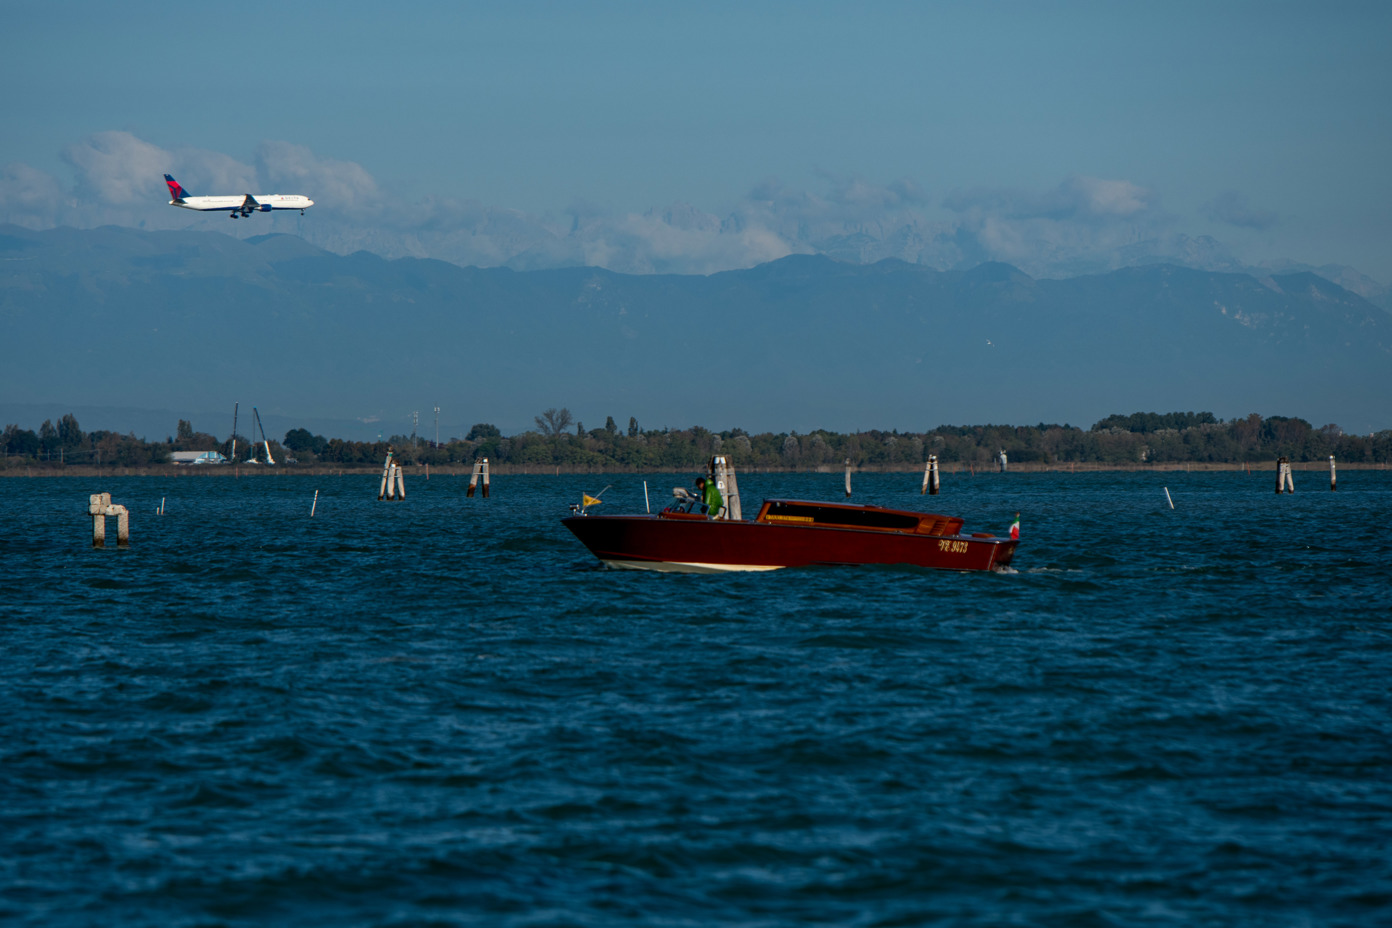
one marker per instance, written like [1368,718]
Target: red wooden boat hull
[694,544]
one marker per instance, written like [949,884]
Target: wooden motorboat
[786,533]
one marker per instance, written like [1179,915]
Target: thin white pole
[646,505]
[315,504]
[1167,496]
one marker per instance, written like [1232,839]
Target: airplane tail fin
[176,191]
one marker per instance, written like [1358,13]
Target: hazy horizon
[191,323]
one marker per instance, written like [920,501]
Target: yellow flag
[590,500]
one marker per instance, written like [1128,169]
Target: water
[439,712]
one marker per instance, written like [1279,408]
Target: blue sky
[1064,137]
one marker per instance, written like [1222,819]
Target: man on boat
[710,495]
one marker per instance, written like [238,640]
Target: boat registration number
[952,547]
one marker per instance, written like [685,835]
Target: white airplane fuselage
[263,203]
[243,205]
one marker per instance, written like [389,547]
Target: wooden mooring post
[100,507]
[723,473]
[1284,482]
[848,478]
[1333,480]
[480,470]
[393,483]
[930,476]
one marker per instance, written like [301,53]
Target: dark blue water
[439,712]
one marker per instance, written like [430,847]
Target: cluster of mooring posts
[930,476]
[1283,476]
[393,484]
[1285,484]
[480,471]
[393,487]
[931,481]
[101,507]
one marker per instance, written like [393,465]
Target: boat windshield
[685,502]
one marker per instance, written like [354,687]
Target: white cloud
[29,197]
[211,173]
[120,179]
[1076,198]
[337,185]
[1097,197]
[117,167]
[1083,224]
[676,240]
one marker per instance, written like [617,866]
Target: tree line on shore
[559,440]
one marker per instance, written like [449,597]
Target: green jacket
[713,499]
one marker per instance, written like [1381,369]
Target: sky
[1064,138]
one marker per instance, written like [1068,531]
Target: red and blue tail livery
[175,190]
[241,205]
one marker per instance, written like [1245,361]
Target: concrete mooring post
[480,471]
[848,478]
[1333,481]
[100,507]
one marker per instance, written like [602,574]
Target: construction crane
[264,440]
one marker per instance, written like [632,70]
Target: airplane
[236,206]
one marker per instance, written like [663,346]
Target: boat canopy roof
[845,515]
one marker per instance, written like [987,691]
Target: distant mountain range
[681,239]
[187,323]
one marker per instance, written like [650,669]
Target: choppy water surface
[441,712]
